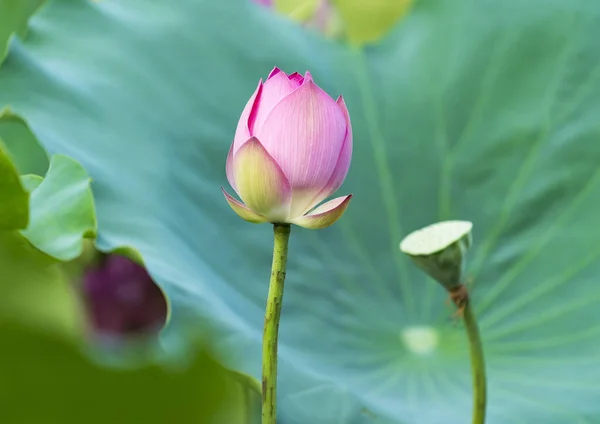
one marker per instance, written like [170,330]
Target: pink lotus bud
[292,150]
[122,301]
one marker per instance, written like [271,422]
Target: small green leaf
[27,154]
[14,15]
[62,210]
[31,182]
[14,200]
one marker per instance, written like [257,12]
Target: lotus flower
[122,300]
[291,151]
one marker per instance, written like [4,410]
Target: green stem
[477,364]
[272,315]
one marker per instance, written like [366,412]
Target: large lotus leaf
[477,110]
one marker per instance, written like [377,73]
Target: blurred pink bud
[122,300]
[317,14]
[292,150]
[326,20]
[268,3]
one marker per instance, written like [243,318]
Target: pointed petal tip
[296,78]
[273,72]
[254,108]
[255,142]
[342,104]
[242,210]
[308,76]
[325,215]
[247,117]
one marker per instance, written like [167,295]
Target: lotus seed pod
[439,250]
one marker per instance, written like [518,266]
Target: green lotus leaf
[468,110]
[54,213]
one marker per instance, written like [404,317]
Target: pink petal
[305,134]
[297,78]
[260,182]
[277,87]
[324,215]
[229,167]
[274,71]
[343,162]
[242,133]
[242,210]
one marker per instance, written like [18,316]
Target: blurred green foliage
[34,291]
[299,10]
[15,199]
[368,21]
[46,380]
[359,21]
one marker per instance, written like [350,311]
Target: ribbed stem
[477,363]
[271,330]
